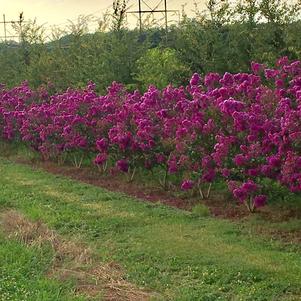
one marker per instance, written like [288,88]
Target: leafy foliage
[225,37]
[151,64]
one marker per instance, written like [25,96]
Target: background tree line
[224,37]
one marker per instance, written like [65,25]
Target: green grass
[200,210]
[22,275]
[178,254]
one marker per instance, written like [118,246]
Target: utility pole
[166,18]
[21,19]
[140,16]
[6,33]
[4,24]
[150,10]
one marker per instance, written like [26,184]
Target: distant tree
[119,13]
[160,67]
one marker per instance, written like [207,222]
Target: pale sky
[58,11]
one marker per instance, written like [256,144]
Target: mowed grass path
[168,251]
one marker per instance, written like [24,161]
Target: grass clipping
[72,260]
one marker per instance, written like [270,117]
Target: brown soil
[221,206]
[118,183]
[115,183]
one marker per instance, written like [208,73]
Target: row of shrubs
[241,128]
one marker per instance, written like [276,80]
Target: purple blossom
[100,159]
[245,124]
[259,200]
[225,172]
[123,165]
[240,160]
[187,185]
[195,79]
[249,186]
[102,144]
[240,194]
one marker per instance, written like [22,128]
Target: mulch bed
[219,205]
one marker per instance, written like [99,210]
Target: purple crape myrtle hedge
[242,128]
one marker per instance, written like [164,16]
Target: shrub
[160,67]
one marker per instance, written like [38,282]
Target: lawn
[173,254]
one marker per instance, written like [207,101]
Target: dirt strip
[73,260]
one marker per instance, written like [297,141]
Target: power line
[154,10]
[7,35]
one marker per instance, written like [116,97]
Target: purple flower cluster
[241,127]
